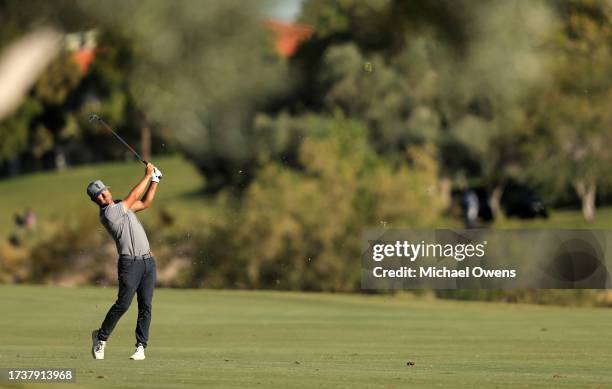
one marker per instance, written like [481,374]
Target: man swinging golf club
[136,265]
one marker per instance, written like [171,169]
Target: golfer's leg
[128,283]
[145,300]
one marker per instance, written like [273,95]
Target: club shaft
[122,141]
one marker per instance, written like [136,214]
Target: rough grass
[238,339]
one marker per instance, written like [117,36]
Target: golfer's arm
[135,193]
[146,201]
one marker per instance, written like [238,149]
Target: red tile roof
[289,36]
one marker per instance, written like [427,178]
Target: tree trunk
[445,192]
[586,192]
[495,199]
[145,141]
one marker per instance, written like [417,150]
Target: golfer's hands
[157,175]
[149,169]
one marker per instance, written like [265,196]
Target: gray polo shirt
[125,229]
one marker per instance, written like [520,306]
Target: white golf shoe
[139,354]
[97,347]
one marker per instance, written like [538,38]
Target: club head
[93,118]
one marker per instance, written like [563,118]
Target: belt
[148,255]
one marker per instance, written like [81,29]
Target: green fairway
[203,338]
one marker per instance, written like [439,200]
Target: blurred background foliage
[387,109]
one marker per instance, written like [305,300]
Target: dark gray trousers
[135,276]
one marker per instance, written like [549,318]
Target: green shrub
[300,229]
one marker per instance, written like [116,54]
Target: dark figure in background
[470,207]
[19,222]
[23,222]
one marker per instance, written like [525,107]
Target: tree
[14,131]
[202,72]
[461,76]
[201,75]
[305,224]
[51,130]
[571,146]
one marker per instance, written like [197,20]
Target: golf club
[96,119]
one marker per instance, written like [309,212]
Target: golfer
[136,265]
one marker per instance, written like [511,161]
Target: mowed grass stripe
[285,340]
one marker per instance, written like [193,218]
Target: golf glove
[157,175]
